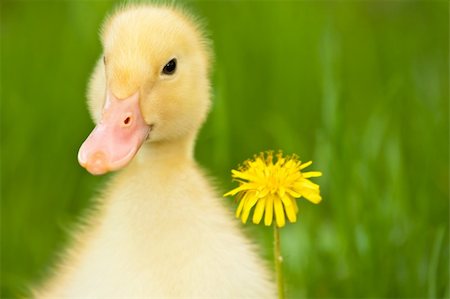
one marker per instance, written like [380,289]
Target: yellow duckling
[160,229]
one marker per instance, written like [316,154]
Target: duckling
[159,229]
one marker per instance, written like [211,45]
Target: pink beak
[116,138]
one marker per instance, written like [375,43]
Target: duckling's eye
[170,67]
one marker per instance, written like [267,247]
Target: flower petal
[291,213]
[308,184]
[293,193]
[289,207]
[279,212]
[281,191]
[286,200]
[259,210]
[240,206]
[251,201]
[263,193]
[294,203]
[312,195]
[245,186]
[312,174]
[304,165]
[299,187]
[268,216]
[242,175]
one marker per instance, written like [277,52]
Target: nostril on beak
[127,121]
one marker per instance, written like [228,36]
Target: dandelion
[272,187]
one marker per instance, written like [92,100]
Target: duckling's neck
[168,152]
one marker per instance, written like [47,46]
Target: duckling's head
[150,85]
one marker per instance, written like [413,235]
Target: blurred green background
[360,87]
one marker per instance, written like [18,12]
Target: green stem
[278,261]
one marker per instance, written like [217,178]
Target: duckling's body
[159,229]
[166,236]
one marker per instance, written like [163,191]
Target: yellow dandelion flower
[272,187]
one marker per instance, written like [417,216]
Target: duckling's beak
[116,138]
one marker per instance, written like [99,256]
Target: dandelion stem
[278,261]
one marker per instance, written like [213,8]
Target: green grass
[360,87]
